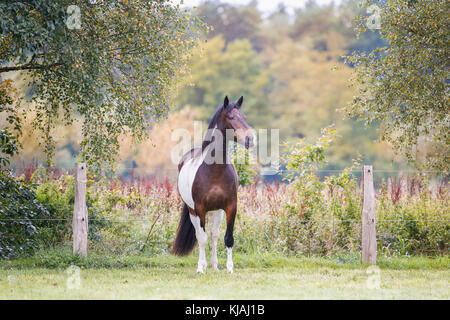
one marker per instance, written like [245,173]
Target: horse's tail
[185,239]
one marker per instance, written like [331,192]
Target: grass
[257,276]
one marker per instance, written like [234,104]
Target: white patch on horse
[186,179]
[187,175]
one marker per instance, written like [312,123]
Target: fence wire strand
[144,219]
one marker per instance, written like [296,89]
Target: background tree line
[294,75]
[290,70]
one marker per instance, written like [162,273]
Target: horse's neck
[219,145]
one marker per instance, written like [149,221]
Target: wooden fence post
[369,237]
[80,214]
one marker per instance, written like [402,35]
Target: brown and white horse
[207,182]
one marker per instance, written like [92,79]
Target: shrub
[39,213]
[20,212]
[323,216]
[310,216]
[58,196]
[417,225]
[245,171]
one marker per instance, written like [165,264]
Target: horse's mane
[213,123]
[215,118]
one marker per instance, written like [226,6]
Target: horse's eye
[231,118]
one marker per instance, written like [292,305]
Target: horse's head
[235,121]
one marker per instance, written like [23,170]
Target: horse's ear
[239,102]
[225,102]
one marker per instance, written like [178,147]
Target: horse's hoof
[201,268]
[230,271]
[214,267]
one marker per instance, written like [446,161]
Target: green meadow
[49,276]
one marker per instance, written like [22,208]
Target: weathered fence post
[80,214]
[369,237]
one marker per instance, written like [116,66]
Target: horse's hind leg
[216,221]
[202,237]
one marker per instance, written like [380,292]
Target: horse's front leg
[216,221]
[199,224]
[229,240]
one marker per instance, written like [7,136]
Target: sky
[266,6]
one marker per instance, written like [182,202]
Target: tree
[232,22]
[9,133]
[235,71]
[154,156]
[112,63]
[315,21]
[404,86]
[276,28]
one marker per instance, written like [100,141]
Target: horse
[208,183]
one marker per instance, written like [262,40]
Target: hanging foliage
[112,63]
[404,86]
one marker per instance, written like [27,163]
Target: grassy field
[46,276]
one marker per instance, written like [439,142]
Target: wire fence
[144,219]
[149,220]
[151,171]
